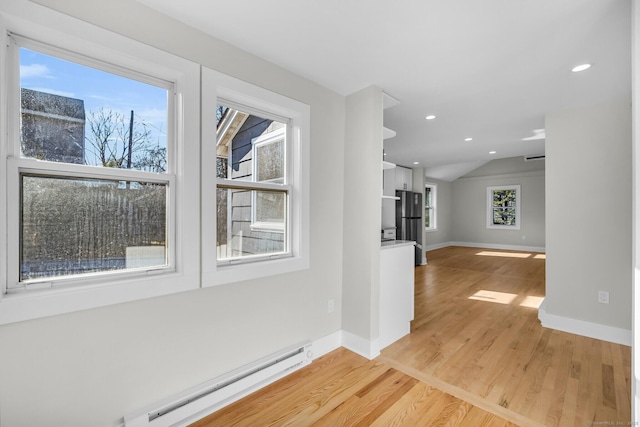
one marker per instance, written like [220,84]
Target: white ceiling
[488,70]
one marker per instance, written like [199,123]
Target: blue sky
[98,89]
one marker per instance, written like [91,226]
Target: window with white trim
[503,207]
[430,201]
[93,186]
[99,129]
[259,141]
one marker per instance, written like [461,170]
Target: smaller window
[260,200]
[268,209]
[430,200]
[503,207]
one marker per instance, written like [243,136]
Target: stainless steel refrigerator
[409,219]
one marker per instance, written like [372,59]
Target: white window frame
[490,224]
[433,207]
[258,142]
[53,33]
[217,86]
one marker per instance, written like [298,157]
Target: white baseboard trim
[499,246]
[485,245]
[581,327]
[436,246]
[359,345]
[326,344]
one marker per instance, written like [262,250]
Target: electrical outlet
[330,306]
[603,297]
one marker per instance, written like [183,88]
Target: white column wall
[588,205]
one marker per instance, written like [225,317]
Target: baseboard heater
[197,402]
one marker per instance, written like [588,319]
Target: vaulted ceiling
[488,70]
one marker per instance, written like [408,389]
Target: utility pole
[130,140]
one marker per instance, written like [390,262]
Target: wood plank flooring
[477,336]
[344,389]
[476,356]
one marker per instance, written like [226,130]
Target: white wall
[444,221]
[469,211]
[92,367]
[362,213]
[589,213]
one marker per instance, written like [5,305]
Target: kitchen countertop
[396,244]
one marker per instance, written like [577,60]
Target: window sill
[38,303]
[236,272]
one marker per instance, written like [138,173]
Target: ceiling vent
[532,158]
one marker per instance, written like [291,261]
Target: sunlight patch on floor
[531,302]
[504,254]
[540,256]
[492,296]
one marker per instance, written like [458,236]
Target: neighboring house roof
[238,129]
[52,127]
[53,106]
[228,128]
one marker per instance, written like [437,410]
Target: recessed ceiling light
[492,152]
[581,68]
[430,117]
[416,163]
[468,139]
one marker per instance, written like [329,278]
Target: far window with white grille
[430,200]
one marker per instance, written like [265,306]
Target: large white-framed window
[256,200]
[430,207]
[94,186]
[503,207]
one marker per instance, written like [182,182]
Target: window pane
[270,161]
[72,226]
[237,134]
[504,198]
[270,208]
[250,148]
[504,216]
[250,222]
[71,113]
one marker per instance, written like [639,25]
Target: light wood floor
[344,389]
[476,356]
[476,335]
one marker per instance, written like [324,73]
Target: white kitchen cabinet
[389,182]
[396,292]
[404,178]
